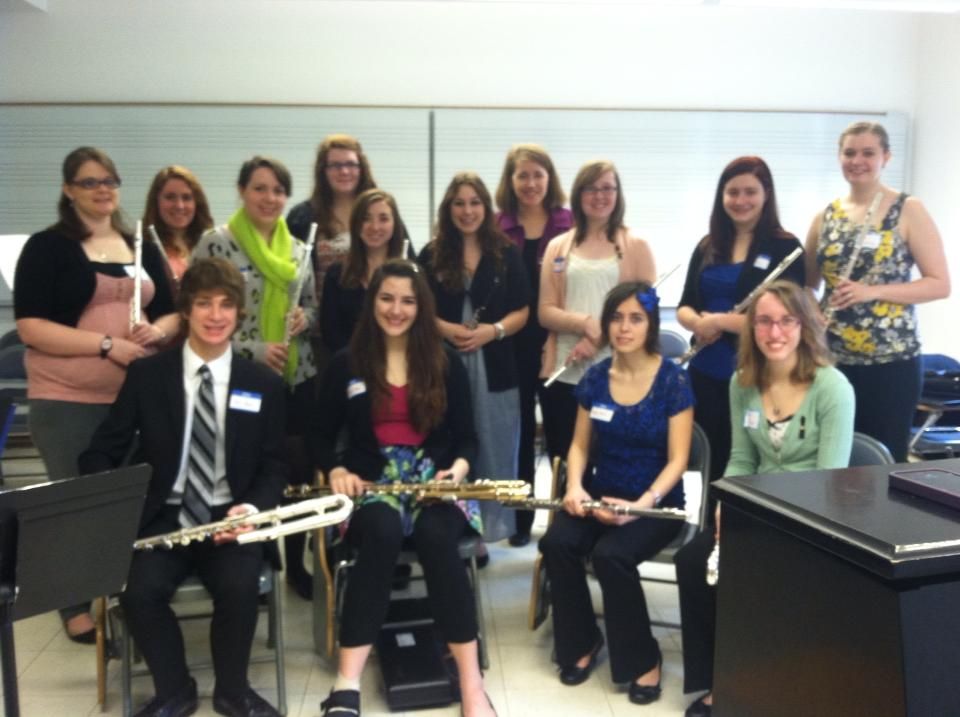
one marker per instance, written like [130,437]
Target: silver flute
[308,514]
[713,565]
[616,508]
[742,306]
[306,265]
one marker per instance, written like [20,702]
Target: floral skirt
[408,464]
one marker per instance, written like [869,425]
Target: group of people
[434,367]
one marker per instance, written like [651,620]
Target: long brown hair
[202,219]
[321,201]
[447,244]
[812,351]
[70,223]
[506,196]
[426,358]
[355,264]
[588,174]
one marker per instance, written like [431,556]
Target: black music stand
[62,543]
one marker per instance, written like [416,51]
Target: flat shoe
[573,675]
[645,694]
[342,703]
[518,540]
[699,709]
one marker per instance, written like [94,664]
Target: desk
[836,597]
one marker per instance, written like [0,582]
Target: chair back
[700,461]
[868,451]
[672,344]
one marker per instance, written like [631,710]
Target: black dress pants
[230,573]
[698,611]
[377,533]
[615,552]
[559,407]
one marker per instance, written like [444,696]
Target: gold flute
[310,514]
[511,493]
[742,305]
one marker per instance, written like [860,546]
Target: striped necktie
[201,457]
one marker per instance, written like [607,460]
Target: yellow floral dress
[872,332]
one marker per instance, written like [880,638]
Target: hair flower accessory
[648,299]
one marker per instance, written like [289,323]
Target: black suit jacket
[152,403]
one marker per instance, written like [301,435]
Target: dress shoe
[645,694]
[87,637]
[518,540]
[699,709]
[574,675]
[341,703]
[181,704]
[246,704]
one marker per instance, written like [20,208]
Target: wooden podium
[837,597]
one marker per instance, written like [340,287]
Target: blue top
[718,287]
[630,442]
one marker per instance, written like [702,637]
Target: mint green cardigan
[825,420]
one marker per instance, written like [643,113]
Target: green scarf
[273,260]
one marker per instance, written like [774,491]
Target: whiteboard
[669,161]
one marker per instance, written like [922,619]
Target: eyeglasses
[605,190]
[787,324]
[337,166]
[92,183]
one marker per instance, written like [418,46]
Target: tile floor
[57,677]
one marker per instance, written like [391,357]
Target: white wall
[505,54]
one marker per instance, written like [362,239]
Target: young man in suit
[211,425]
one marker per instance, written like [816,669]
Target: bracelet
[657,498]
[500,331]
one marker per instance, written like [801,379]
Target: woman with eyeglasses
[630,448]
[177,207]
[377,233]
[405,402]
[579,267]
[341,172]
[273,329]
[72,301]
[746,242]
[872,328]
[790,410]
[482,297]
[531,213]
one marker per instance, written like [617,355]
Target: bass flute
[308,514]
[742,305]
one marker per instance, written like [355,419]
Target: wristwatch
[501,332]
[105,346]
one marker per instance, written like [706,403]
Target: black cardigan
[55,280]
[454,437]
[339,310]
[775,248]
[498,294]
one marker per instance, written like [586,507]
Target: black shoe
[645,694]
[246,704]
[84,638]
[342,703]
[699,709]
[180,705]
[574,675]
[518,539]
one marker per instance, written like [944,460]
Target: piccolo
[551,379]
[510,493]
[742,305]
[306,264]
[829,309]
[137,301]
[310,515]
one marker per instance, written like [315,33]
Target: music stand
[62,543]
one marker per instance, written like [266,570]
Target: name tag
[761,262]
[601,413]
[245,401]
[559,264]
[751,419]
[356,388]
[871,241]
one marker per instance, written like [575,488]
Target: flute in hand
[828,308]
[306,265]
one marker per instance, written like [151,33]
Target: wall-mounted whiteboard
[669,161]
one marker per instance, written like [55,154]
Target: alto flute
[310,514]
[511,493]
[137,301]
[306,263]
[742,305]
[551,379]
[829,309]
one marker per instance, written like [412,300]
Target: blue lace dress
[630,442]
